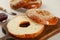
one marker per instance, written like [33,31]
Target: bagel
[42,16]
[23,27]
[16,4]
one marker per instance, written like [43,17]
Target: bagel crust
[42,16]
[27,4]
[32,31]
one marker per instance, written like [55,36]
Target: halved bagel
[42,16]
[23,27]
[16,4]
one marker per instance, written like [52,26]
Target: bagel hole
[24,24]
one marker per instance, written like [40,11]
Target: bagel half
[23,27]
[27,4]
[42,16]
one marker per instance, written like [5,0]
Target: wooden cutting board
[48,32]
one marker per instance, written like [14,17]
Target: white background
[52,5]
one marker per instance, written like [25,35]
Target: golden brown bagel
[16,4]
[42,16]
[23,27]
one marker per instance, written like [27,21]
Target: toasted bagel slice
[42,16]
[27,4]
[23,27]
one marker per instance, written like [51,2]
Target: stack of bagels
[30,24]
